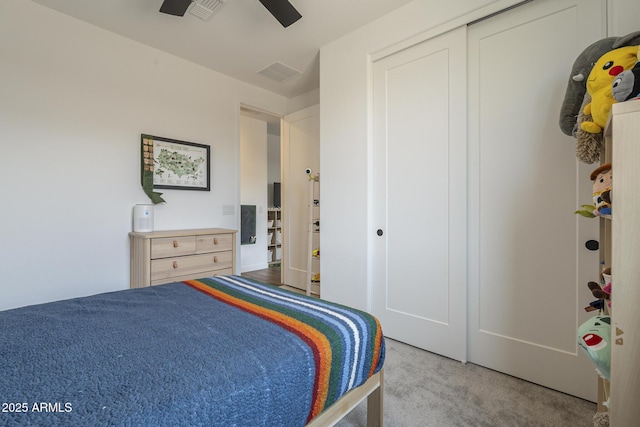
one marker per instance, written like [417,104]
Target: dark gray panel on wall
[247,224]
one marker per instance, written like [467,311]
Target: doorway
[260,178]
[300,154]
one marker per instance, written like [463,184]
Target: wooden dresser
[159,257]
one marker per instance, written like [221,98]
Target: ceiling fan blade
[282,10]
[175,7]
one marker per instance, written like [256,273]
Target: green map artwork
[181,165]
[173,164]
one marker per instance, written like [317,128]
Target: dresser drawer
[214,243]
[168,269]
[173,246]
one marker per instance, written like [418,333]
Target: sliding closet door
[419,194]
[529,267]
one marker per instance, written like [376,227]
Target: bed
[217,351]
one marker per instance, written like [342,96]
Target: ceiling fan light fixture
[204,9]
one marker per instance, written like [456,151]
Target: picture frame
[175,164]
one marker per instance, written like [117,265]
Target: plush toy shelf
[621,230]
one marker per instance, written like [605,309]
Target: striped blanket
[347,345]
[223,351]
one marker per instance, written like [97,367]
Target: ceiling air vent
[279,72]
[204,9]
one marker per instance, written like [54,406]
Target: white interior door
[419,194]
[528,266]
[300,150]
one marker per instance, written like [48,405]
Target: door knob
[379,232]
[592,245]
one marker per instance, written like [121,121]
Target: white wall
[623,17]
[345,129]
[345,133]
[74,100]
[253,183]
[303,101]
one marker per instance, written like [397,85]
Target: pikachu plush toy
[599,83]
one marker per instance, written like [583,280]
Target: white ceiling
[241,38]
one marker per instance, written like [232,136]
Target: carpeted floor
[423,389]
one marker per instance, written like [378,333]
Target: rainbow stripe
[347,344]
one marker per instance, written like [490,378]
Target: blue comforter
[215,352]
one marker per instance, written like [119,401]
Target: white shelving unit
[623,135]
[313,242]
[274,236]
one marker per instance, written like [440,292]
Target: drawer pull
[175,264]
[215,240]
[175,244]
[215,259]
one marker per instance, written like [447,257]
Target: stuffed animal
[627,85]
[602,186]
[594,336]
[588,145]
[599,83]
[571,111]
[576,86]
[597,291]
[602,198]
[602,291]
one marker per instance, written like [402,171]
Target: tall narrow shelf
[313,242]
[623,135]
[605,252]
[274,236]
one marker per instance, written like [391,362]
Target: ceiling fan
[282,10]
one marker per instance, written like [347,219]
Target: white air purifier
[143,218]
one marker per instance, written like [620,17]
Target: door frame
[268,117]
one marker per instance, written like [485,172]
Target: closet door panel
[419,193]
[528,264]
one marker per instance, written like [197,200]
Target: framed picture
[177,165]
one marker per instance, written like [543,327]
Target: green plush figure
[572,116]
[594,336]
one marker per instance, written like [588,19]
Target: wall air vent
[279,72]
[204,9]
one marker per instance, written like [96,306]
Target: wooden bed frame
[372,390]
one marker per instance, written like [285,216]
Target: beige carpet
[423,389]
